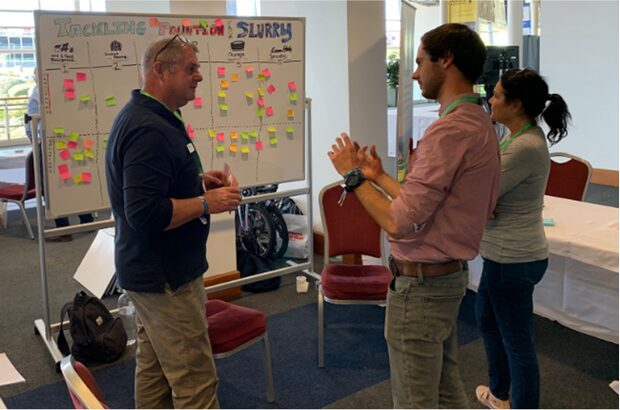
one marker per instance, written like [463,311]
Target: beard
[432,86]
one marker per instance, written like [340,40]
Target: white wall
[137,6]
[579,59]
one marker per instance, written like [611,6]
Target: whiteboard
[249,110]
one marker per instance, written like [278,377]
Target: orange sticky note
[198,102]
[186,22]
[224,85]
[153,22]
[234,135]
[88,143]
[233,147]
[234,77]
[290,113]
[249,69]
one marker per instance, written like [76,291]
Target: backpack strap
[63,346]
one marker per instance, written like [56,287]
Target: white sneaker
[484,395]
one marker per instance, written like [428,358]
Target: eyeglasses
[181,38]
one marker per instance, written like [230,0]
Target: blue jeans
[420,330]
[504,310]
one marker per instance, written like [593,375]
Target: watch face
[354,179]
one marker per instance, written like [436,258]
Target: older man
[161,201]
[435,219]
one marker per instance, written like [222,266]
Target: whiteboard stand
[305,267]
[42,326]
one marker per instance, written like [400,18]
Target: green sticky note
[253,134]
[203,23]
[548,222]
[293,96]
[59,131]
[105,143]
[223,107]
[89,153]
[289,130]
[85,98]
[260,112]
[245,150]
[60,145]
[273,140]
[245,135]
[261,77]
[110,101]
[78,156]
[219,148]
[74,136]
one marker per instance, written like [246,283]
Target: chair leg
[26,221]
[271,395]
[321,328]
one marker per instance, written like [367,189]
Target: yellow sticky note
[59,131]
[89,153]
[249,94]
[245,135]
[290,113]
[85,98]
[273,140]
[219,148]
[233,147]
[261,92]
[110,101]
[234,135]
[60,145]
[224,107]
[212,133]
[221,94]
[261,77]
[245,150]
[77,179]
[271,129]
[234,77]
[224,84]
[260,112]
[78,156]
[74,136]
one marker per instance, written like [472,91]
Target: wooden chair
[83,389]
[233,328]
[20,193]
[568,179]
[348,229]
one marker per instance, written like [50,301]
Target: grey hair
[172,54]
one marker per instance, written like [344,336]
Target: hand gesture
[370,164]
[213,179]
[344,155]
[222,199]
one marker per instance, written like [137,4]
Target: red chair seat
[231,325]
[355,282]
[13,192]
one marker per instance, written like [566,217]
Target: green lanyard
[178,115]
[504,144]
[455,103]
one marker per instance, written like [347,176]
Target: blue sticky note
[548,222]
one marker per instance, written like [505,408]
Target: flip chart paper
[8,373]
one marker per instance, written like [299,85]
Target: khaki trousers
[174,362]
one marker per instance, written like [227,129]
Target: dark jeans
[64,221]
[504,310]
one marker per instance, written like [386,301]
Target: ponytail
[556,115]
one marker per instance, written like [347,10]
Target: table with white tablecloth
[580,287]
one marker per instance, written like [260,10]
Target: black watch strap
[353,179]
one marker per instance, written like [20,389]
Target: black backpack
[97,336]
[249,264]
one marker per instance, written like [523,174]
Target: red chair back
[78,378]
[348,229]
[568,179]
[29,185]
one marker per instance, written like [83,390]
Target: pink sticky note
[259,145]
[69,95]
[219,22]
[271,89]
[269,111]
[190,131]
[88,143]
[292,86]
[186,22]
[64,172]
[153,22]
[80,76]
[260,102]
[64,154]
[220,137]
[86,177]
[198,102]
[72,144]
[69,85]
[221,71]
[249,69]
[266,73]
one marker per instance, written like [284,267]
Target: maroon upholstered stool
[232,328]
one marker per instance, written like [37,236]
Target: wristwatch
[205,206]
[353,178]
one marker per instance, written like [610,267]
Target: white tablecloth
[580,287]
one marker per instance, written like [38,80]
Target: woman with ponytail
[514,246]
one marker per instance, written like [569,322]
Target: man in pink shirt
[434,220]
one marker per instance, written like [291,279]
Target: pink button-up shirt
[450,189]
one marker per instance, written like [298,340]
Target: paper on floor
[8,372]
